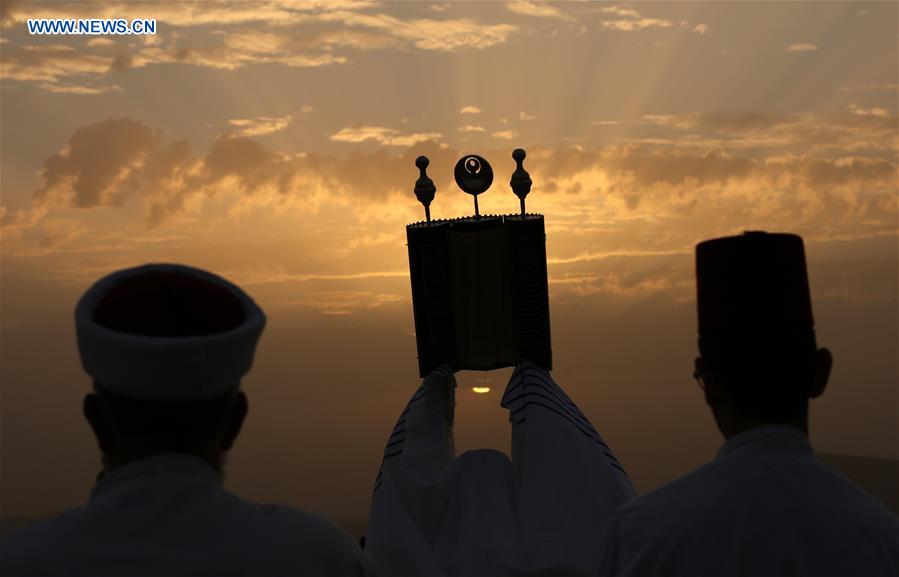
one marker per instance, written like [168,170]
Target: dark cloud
[95,160]
[232,155]
[121,62]
[681,167]
[831,135]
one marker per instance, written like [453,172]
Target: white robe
[170,515]
[542,512]
[764,506]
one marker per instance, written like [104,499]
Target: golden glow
[481,390]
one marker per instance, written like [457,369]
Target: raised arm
[406,488]
[569,482]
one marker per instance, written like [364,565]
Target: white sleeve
[569,482]
[407,500]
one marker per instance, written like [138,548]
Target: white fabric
[540,513]
[169,515]
[172,369]
[764,506]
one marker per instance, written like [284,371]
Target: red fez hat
[751,283]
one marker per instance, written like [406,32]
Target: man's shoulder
[282,518]
[43,529]
[723,488]
[270,537]
[286,530]
[275,523]
[690,490]
[21,547]
[853,500]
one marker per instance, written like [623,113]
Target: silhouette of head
[759,362]
[167,346]
[131,429]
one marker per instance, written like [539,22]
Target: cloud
[48,63]
[233,55]
[861,131]
[113,161]
[635,25]
[619,11]
[525,116]
[538,9]
[469,110]
[257,277]
[802,47]
[682,122]
[382,135]
[872,87]
[78,89]
[55,67]
[630,284]
[260,125]
[873,111]
[97,159]
[631,21]
[606,122]
[618,216]
[701,28]
[471,128]
[301,35]
[450,35]
[285,46]
[505,134]
[186,14]
[100,41]
[340,303]
[739,166]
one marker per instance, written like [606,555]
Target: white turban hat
[167,332]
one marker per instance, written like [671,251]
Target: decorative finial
[424,186]
[474,175]
[521,180]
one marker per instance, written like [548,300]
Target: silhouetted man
[481,513]
[167,346]
[764,506]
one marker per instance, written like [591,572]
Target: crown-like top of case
[474,175]
[472,219]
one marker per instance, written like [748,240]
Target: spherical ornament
[473,174]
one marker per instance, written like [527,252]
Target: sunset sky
[274,144]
